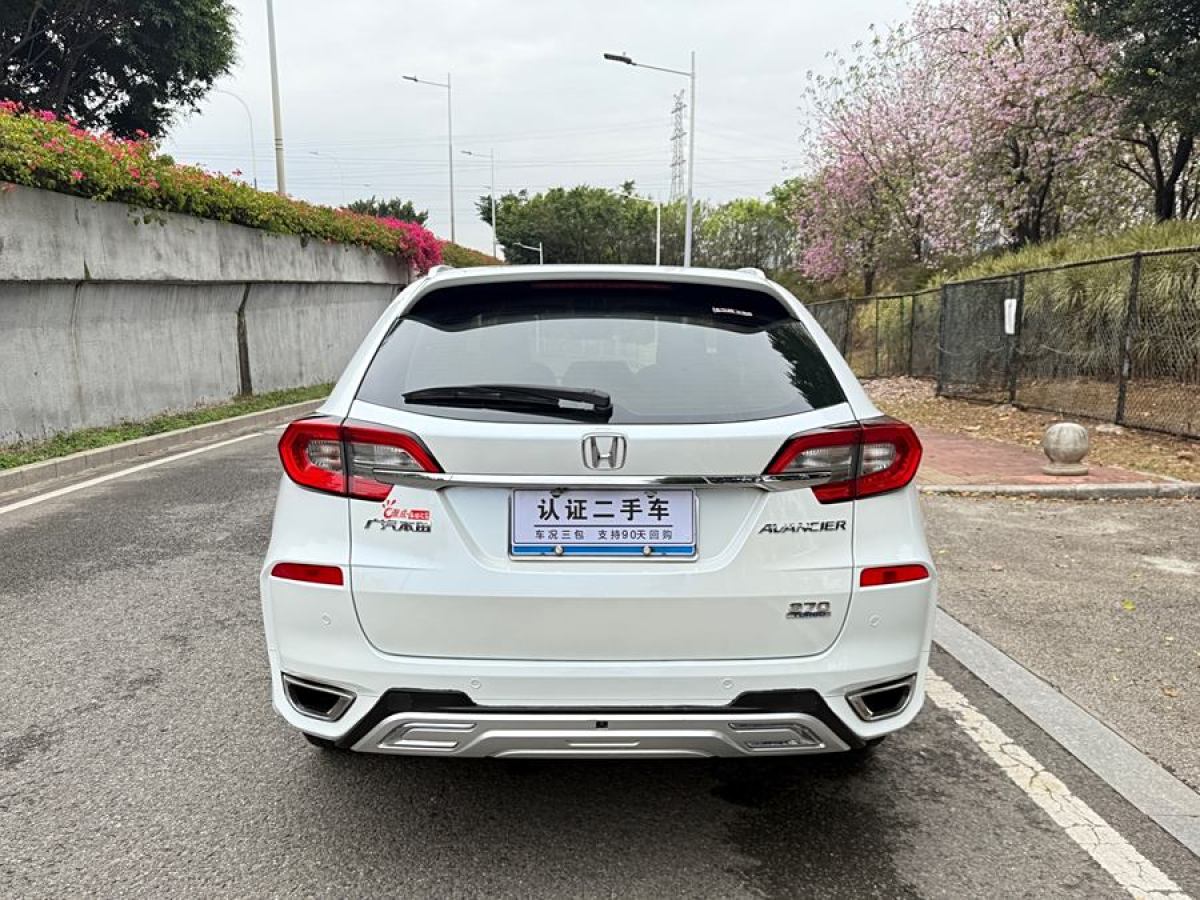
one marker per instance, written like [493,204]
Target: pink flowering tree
[978,124]
[842,229]
[869,155]
[1024,130]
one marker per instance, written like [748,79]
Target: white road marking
[111,476]
[1083,825]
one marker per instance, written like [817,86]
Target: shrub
[40,150]
[465,258]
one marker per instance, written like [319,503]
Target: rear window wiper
[544,400]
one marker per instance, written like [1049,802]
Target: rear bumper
[314,633]
[550,708]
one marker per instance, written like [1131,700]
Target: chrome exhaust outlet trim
[316,700]
[883,700]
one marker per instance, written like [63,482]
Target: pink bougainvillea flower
[76,175]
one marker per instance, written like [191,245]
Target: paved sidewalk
[951,458]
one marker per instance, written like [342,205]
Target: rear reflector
[308,572]
[877,575]
[856,461]
[349,458]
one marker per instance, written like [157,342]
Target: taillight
[350,459]
[372,450]
[877,575]
[857,461]
[313,455]
[309,572]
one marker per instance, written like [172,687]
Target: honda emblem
[604,451]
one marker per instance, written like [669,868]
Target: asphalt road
[139,756]
[1100,599]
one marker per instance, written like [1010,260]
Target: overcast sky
[529,82]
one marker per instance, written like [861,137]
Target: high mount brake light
[873,457]
[347,458]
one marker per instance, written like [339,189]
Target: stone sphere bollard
[1066,444]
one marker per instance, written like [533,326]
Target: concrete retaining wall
[108,313]
[305,334]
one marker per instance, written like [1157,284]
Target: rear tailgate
[434,575]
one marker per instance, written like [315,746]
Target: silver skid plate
[603,734]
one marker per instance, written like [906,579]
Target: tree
[579,224]
[1022,124]
[745,232]
[870,153]
[980,124]
[1156,75]
[394,208]
[124,65]
[841,226]
[585,224]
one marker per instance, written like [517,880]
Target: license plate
[603,523]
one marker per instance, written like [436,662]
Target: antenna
[677,157]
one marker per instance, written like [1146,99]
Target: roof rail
[752,270]
[437,270]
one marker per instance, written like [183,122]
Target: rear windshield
[664,353]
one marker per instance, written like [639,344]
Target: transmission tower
[677,157]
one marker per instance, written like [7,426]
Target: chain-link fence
[1116,339]
[892,335]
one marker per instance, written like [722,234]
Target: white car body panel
[450,610]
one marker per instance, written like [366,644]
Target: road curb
[1127,491]
[1173,805]
[87,460]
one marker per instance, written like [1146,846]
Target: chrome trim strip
[478,733]
[437,481]
[345,698]
[863,711]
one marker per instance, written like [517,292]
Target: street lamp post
[691,76]
[491,155]
[538,248]
[449,134]
[250,122]
[280,180]
[341,174]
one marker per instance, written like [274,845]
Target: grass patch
[1080,248]
[20,454]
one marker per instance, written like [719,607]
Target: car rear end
[597,511]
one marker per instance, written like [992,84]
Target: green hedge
[465,258]
[39,150]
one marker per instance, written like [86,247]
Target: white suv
[597,511]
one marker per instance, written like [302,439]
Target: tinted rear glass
[665,353]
